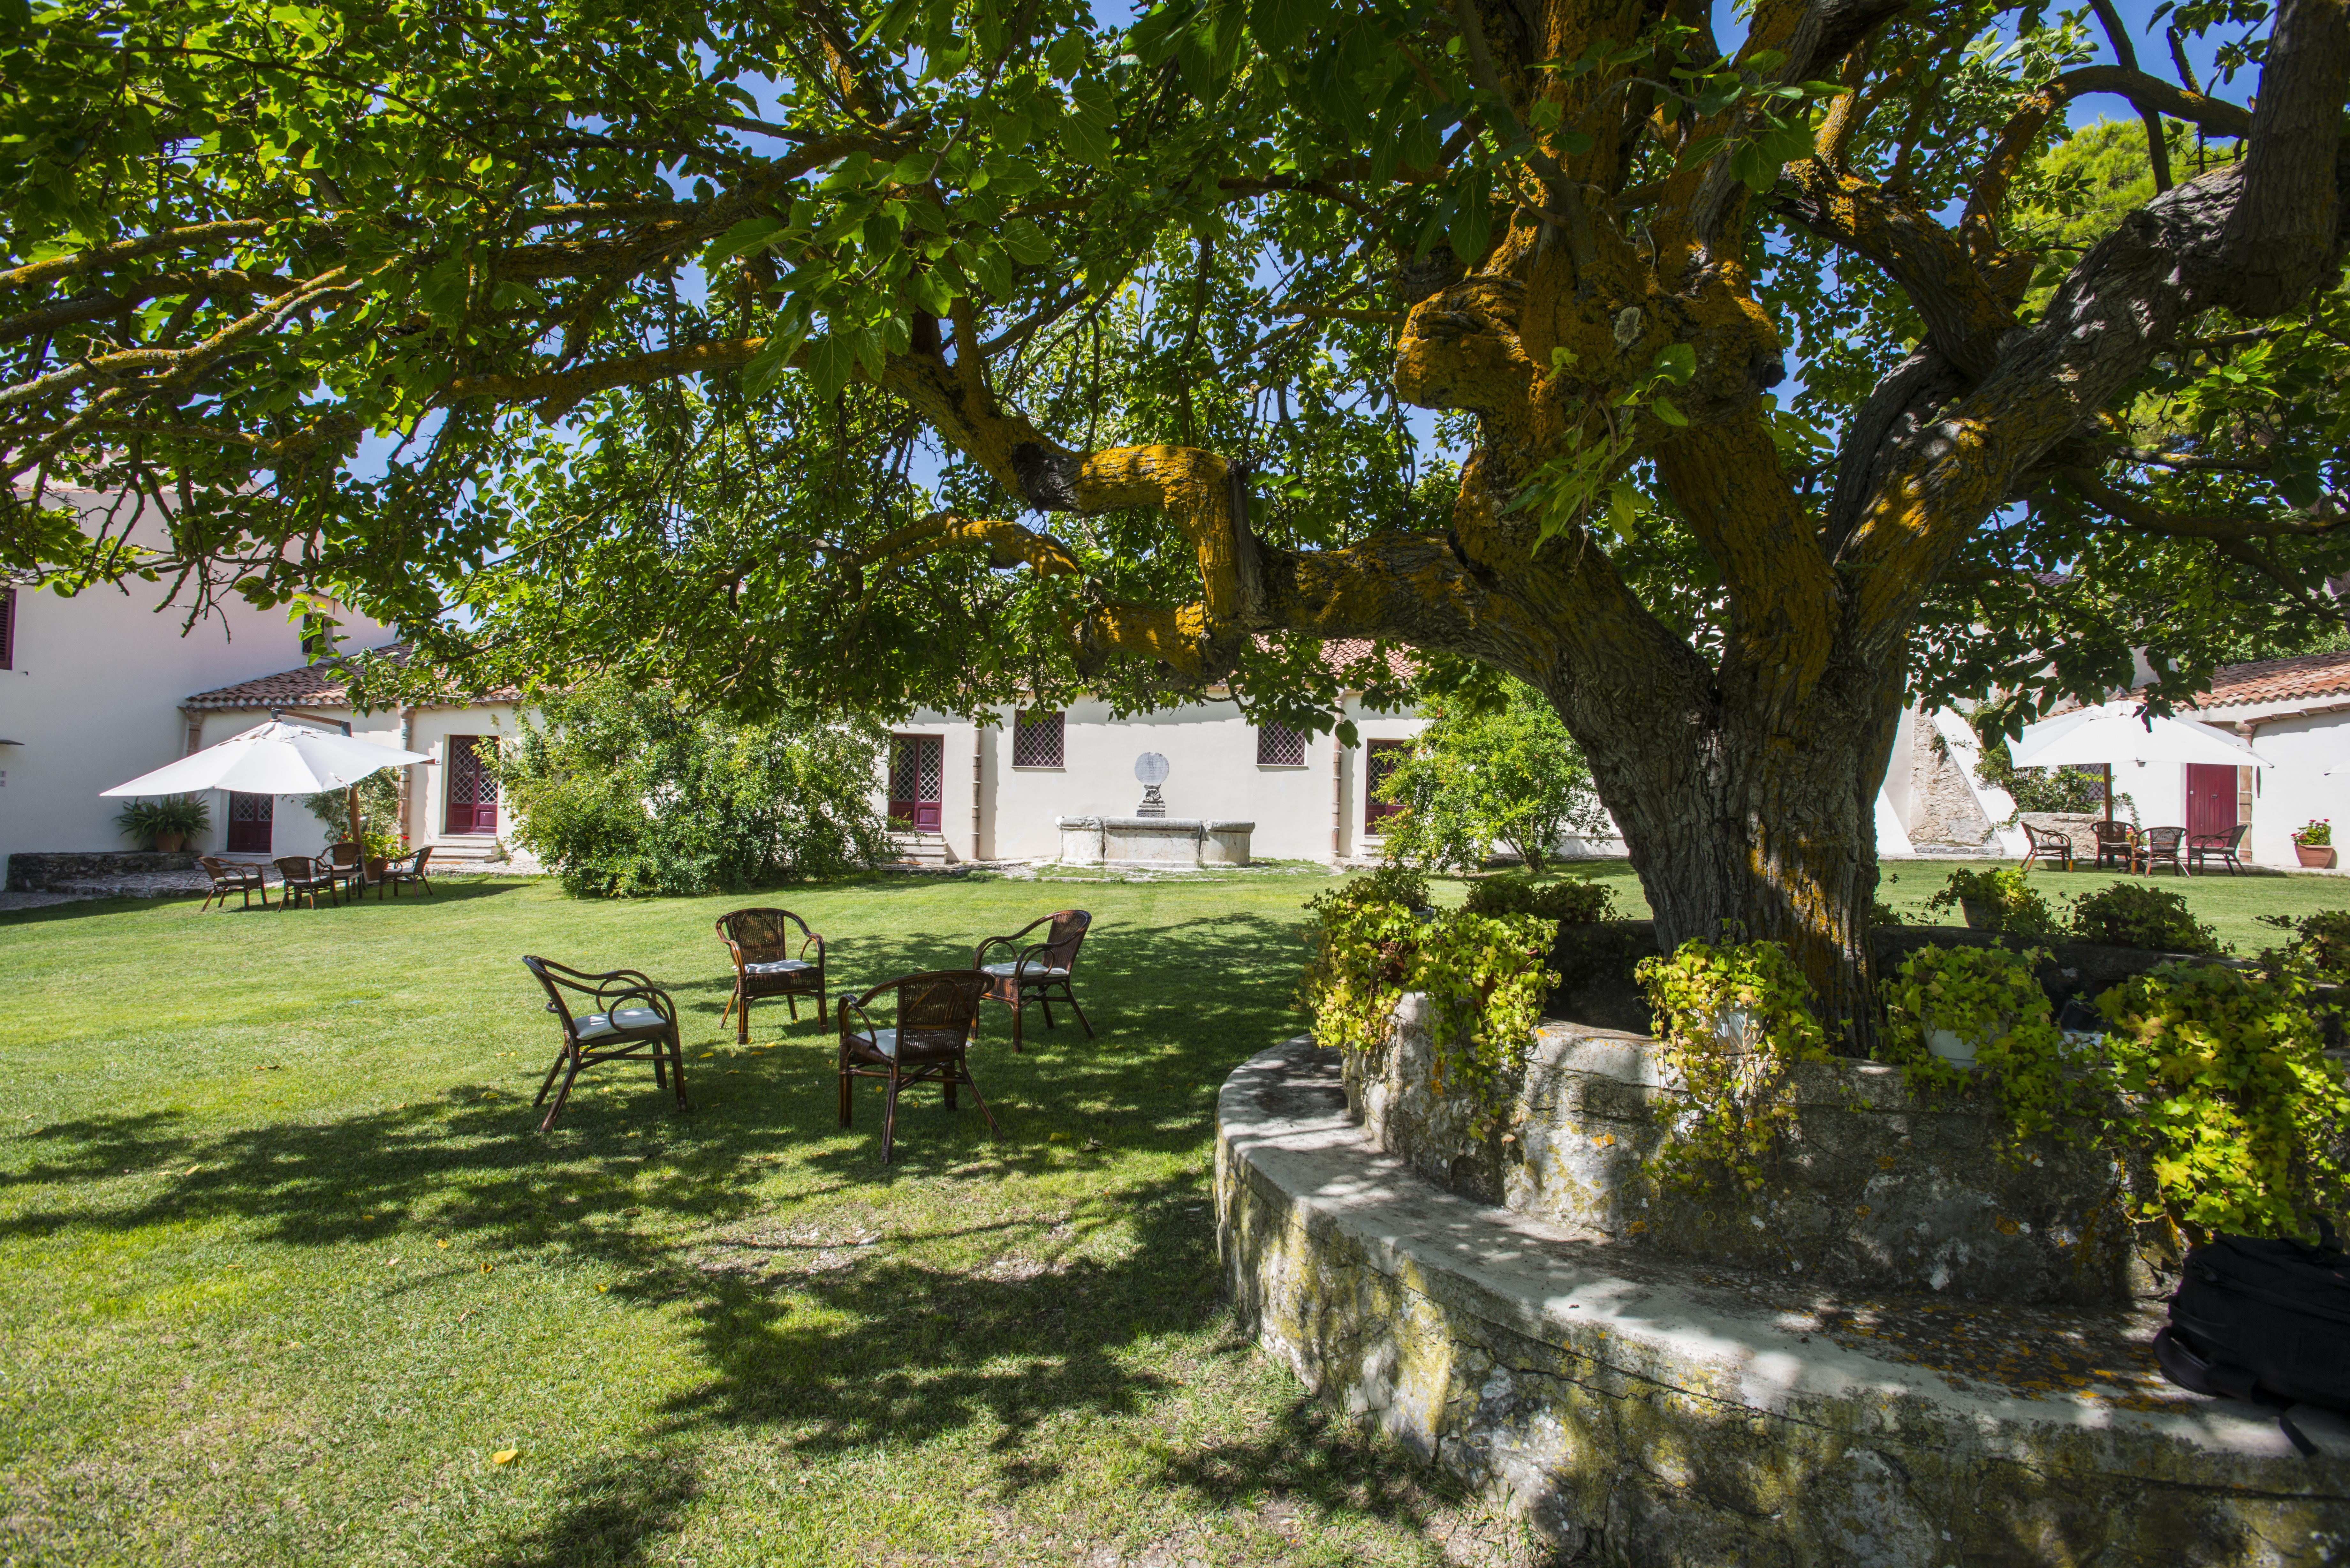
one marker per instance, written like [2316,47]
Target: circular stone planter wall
[1873,1191]
[1641,1409]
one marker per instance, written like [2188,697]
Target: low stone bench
[1641,1409]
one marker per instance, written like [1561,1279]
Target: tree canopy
[654,300]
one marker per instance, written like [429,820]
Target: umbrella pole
[356,839]
[2108,768]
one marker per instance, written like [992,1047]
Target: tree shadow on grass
[833,1341]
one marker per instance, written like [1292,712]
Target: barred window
[7,628]
[1279,746]
[1036,740]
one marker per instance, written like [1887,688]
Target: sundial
[1150,770]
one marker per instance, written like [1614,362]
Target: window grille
[1036,740]
[1380,759]
[1279,746]
[7,628]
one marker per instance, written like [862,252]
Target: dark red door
[472,789]
[248,822]
[2210,799]
[1380,759]
[916,774]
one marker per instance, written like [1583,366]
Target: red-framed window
[1279,746]
[1380,759]
[1038,739]
[472,807]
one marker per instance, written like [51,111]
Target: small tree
[623,791]
[379,810]
[1482,773]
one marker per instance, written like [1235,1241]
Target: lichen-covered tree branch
[571,342]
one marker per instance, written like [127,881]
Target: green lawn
[287,1261]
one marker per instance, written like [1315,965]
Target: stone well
[1659,1402]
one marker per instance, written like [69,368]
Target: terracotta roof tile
[324,684]
[2278,680]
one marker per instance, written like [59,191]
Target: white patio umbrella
[2117,732]
[274,758]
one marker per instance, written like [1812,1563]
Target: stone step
[922,849]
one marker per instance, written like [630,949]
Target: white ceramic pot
[1731,1031]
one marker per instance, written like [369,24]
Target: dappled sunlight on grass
[289,1261]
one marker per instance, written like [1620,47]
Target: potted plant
[2314,843]
[167,823]
[1996,900]
[382,849]
[1964,1004]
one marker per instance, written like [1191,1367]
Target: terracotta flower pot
[1980,917]
[2319,856]
[171,843]
[375,869]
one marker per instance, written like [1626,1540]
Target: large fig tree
[614,326]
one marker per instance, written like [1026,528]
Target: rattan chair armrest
[848,1002]
[607,1000]
[979,953]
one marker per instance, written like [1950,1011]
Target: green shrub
[1574,902]
[378,809]
[2228,1078]
[1507,773]
[2134,914]
[2005,895]
[1484,976]
[624,791]
[1993,997]
[186,814]
[1738,1098]
[1403,885]
[2321,941]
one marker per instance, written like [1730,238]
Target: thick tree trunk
[1764,829]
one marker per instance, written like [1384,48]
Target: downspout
[407,773]
[978,738]
[1337,798]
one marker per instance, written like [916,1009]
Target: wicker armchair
[2161,847]
[1037,970]
[608,1029]
[406,873]
[2116,845]
[2224,848]
[937,1014]
[304,877]
[765,964]
[229,877]
[2047,846]
[349,862]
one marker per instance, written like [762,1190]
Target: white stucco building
[451,803]
[2297,713]
[92,691]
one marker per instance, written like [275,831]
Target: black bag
[2265,1322]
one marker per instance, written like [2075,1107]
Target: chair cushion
[779,966]
[628,1021]
[1029,971]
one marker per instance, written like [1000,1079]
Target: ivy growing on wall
[1735,1019]
[1485,977]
